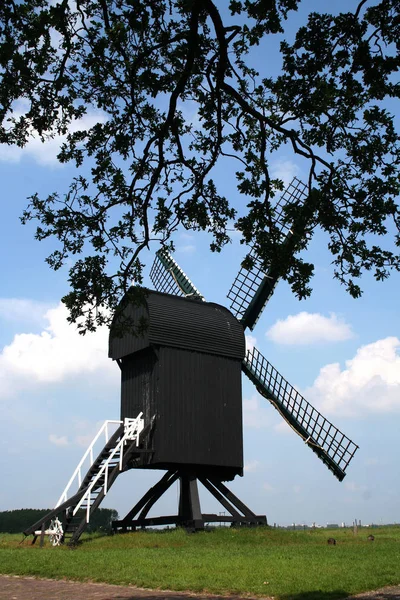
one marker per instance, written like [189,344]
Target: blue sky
[56,387]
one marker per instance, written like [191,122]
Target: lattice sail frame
[168,278]
[245,288]
[252,288]
[331,445]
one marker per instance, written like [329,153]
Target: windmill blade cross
[334,448]
[252,288]
[168,278]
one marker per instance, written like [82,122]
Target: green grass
[263,561]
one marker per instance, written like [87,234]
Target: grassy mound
[257,562]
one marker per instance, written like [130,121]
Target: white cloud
[283,428]
[251,466]
[309,328]
[369,383]
[285,170]
[21,309]
[254,415]
[233,232]
[45,153]
[251,404]
[189,112]
[355,487]
[54,355]
[84,440]
[251,341]
[186,236]
[268,488]
[58,440]
[86,431]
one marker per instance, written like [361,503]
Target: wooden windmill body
[181,397]
[184,374]
[185,371]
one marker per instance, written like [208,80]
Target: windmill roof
[177,322]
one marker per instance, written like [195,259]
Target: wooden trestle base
[189,512]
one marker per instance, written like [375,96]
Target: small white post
[88,508]
[121,456]
[105,480]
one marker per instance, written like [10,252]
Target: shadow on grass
[91,537]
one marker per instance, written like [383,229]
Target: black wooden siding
[123,345]
[198,405]
[182,323]
[140,385]
[186,371]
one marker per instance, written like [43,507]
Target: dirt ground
[13,587]
[28,588]
[387,593]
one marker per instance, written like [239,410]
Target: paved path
[387,593]
[13,587]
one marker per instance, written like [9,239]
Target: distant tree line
[15,521]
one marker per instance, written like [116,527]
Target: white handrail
[132,430]
[89,452]
[104,469]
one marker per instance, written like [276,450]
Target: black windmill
[185,374]
[181,398]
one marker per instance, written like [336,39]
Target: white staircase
[101,473]
[111,451]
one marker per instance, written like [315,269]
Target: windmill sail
[327,441]
[331,445]
[253,287]
[167,277]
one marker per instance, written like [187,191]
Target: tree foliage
[176,93]
[17,520]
